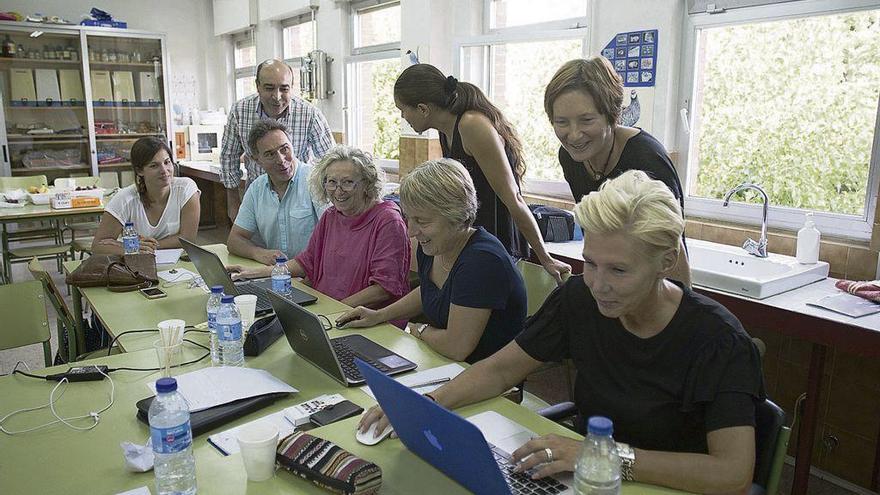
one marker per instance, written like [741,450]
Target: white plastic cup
[171,331]
[258,443]
[247,307]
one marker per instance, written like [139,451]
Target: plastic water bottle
[229,333]
[213,307]
[597,470]
[171,436]
[131,243]
[281,276]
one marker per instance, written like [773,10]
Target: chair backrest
[7,183]
[84,181]
[25,320]
[769,428]
[38,271]
[539,284]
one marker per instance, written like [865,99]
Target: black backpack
[556,225]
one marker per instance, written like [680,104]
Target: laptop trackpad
[393,362]
[501,432]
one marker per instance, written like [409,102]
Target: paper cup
[171,332]
[168,356]
[247,306]
[258,443]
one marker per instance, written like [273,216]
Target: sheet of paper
[227,444]
[429,375]
[209,387]
[168,256]
[177,275]
[137,491]
[847,304]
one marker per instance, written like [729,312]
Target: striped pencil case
[328,465]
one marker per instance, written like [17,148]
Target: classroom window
[378,25]
[514,13]
[244,56]
[790,104]
[297,37]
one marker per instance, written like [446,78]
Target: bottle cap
[600,425]
[227,299]
[164,385]
[129,224]
[281,259]
[217,289]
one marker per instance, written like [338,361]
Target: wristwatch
[627,460]
[421,328]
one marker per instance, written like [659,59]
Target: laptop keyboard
[255,290]
[346,360]
[521,483]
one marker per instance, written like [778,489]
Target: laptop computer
[474,452]
[213,273]
[307,337]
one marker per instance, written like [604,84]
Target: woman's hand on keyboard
[359,317]
[239,272]
[533,454]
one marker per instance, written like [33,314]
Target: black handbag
[556,225]
[263,333]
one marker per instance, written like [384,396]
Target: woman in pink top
[359,252]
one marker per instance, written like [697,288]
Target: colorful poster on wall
[634,56]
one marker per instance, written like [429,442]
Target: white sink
[730,269]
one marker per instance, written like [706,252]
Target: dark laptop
[307,338]
[213,273]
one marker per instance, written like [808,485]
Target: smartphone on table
[153,293]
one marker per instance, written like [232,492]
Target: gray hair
[637,205]
[443,186]
[260,130]
[373,177]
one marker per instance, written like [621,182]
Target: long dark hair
[424,83]
[142,151]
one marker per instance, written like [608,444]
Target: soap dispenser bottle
[808,242]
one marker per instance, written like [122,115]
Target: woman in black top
[475,133]
[674,370]
[583,102]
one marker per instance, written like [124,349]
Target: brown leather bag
[119,273]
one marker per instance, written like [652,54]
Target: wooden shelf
[124,64]
[37,62]
[107,167]
[17,171]
[16,139]
[124,137]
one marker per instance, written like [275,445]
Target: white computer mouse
[370,437]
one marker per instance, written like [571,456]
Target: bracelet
[419,329]
[430,397]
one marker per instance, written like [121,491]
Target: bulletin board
[634,56]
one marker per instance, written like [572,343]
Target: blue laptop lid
[445,440]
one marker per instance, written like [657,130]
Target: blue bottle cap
[281,259]
[226,299]
[129,224]
[217,289]
[164,385]
[600,425]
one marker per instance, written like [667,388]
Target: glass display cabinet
[75,98]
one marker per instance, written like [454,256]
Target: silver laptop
[214,273]
[307,337]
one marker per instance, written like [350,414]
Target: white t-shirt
[126,206]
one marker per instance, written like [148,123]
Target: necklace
[597,175]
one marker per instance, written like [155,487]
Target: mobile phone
[153,293]
[336,412]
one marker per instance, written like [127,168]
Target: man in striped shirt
[307,128]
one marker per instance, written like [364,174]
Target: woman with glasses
[162,207]
[359,252]
[470,292]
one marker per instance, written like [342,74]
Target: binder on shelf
[102,94]
[71,87]
[149,89]
[48,93]
[22,91]
[123,88]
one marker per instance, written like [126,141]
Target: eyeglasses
[330,185]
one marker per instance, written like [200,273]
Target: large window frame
[240,40]
[857,227]
[560,30]
[358,55]
[296,62]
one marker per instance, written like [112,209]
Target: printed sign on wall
[634,56]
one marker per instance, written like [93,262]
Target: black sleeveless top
[492,215]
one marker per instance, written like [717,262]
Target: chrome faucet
[755,248]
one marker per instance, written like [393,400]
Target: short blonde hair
[444,186]
[637,205]
[597,77]
[373,177]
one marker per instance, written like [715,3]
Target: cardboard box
[84,202]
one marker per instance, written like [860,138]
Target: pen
[436,381]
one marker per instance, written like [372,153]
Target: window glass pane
[378,120]
[790,105]
[377,26]
[298,40]
[245,86]
[510,13]
[520,72]
[245,55]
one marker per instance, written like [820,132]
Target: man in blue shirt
[277,215]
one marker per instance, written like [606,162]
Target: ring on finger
[549,454]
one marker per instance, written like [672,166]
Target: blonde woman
[470,291]
[674,370]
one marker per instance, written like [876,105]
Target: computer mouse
[369,437]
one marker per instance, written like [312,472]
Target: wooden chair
[25,321]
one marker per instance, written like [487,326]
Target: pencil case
[328,465]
